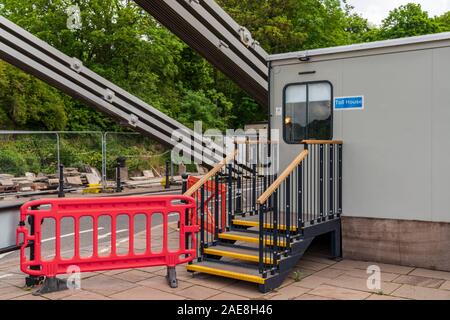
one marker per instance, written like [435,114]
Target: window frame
[306,83]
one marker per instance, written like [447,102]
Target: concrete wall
[403,242]
[397,150]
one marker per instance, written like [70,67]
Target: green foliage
[406,21]
[28,154]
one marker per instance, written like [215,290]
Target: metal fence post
[61,193]
[167,182]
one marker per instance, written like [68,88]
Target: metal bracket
[109,95]
[76,65]
[133,121]
[223,44]
[246,36]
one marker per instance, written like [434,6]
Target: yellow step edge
[235,255]
[246,223]
[235,237]
[226,273]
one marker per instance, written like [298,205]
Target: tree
[444,22]
[406,21]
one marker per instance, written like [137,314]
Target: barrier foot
[172,277]
[51,285]
[32,281]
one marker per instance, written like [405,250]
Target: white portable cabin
[389,102]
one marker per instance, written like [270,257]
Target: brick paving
[314,278]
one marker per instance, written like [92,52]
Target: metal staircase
[270,219]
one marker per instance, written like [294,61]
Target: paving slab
[133,275]
[420,281]
[308,296]
[145,293]
[30,296]
[10,292]
[311,265]
[339,293]
[362,273]
[160,283]
[211,282]
[360,284]
[227,296]
[421,293]
[390,268]
[198,293]
[311,282]
[86,295]
[248,290]
[431,274]
[445,286]
[105,285]
[329,273]
[289,293]
[383,297]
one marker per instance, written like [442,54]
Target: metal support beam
[34,56]
[206,28]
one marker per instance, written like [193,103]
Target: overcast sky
[377,10]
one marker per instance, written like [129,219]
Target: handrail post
[321,206]
[340,180]
[275,231]
[287,190]
[331,183]
[254,171]
[230,196]
[216,207]
[300,221]
[202,223]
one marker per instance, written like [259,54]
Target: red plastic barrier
[210,197]
[95,208]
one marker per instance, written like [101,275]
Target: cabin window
[308,112]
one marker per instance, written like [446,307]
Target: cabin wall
[396,150]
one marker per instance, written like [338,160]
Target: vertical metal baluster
[202,222]
[275,230]
[287,190]
[216,208]
[340,179]
[300,198]
[331,182]
[230,196]
[254,189]
[262,213]
[321,184]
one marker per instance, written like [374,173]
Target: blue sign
[349,103]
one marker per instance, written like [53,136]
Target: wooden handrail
[266,195]
[322,142]
[210,174]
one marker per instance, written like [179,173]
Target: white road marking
[6,275]
[71,234]
[5,254]
[103,236]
